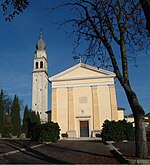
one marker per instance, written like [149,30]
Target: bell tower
[40,80]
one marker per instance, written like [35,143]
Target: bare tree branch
[11,8]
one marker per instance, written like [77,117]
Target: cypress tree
[15,117]
[35,117]
[34,124]
[26,118]
[1,112]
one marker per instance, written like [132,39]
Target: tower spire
[41,44]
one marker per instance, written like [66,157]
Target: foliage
[31,119]
[34,131]
[8,110]
[46,132]
[7,131]
[49,132]
[15,117]
[35,118]
[26,117]
[33,124]
[117,131]
[5,107]
[11,8]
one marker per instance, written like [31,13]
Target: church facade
[83,96]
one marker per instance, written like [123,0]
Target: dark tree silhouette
[11,8]
[146,8]
[26,118]
[15,117]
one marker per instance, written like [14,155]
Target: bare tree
[107,27]
[11,8]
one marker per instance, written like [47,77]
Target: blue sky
[17,46]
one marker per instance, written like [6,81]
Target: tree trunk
[141,148]
[140,135]
[138,112]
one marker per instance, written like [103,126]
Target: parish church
[83,96]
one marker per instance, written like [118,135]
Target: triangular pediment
[81,71]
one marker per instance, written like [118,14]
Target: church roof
[95,73]
[41,44]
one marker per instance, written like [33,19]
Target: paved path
[66,152]
[7,145]
[128,148]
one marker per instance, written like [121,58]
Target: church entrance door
[84,128]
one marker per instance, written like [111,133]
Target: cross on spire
[80,58]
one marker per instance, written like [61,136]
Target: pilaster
[70,109]
[54,105]
[113,101]
[96,117]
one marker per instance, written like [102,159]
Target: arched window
[41,64]
[36,65]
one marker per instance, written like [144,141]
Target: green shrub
[117,131]
[46,132]
[6,133]
[64,135]
[35,131]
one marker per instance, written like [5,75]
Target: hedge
[46,132]
[117,131]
